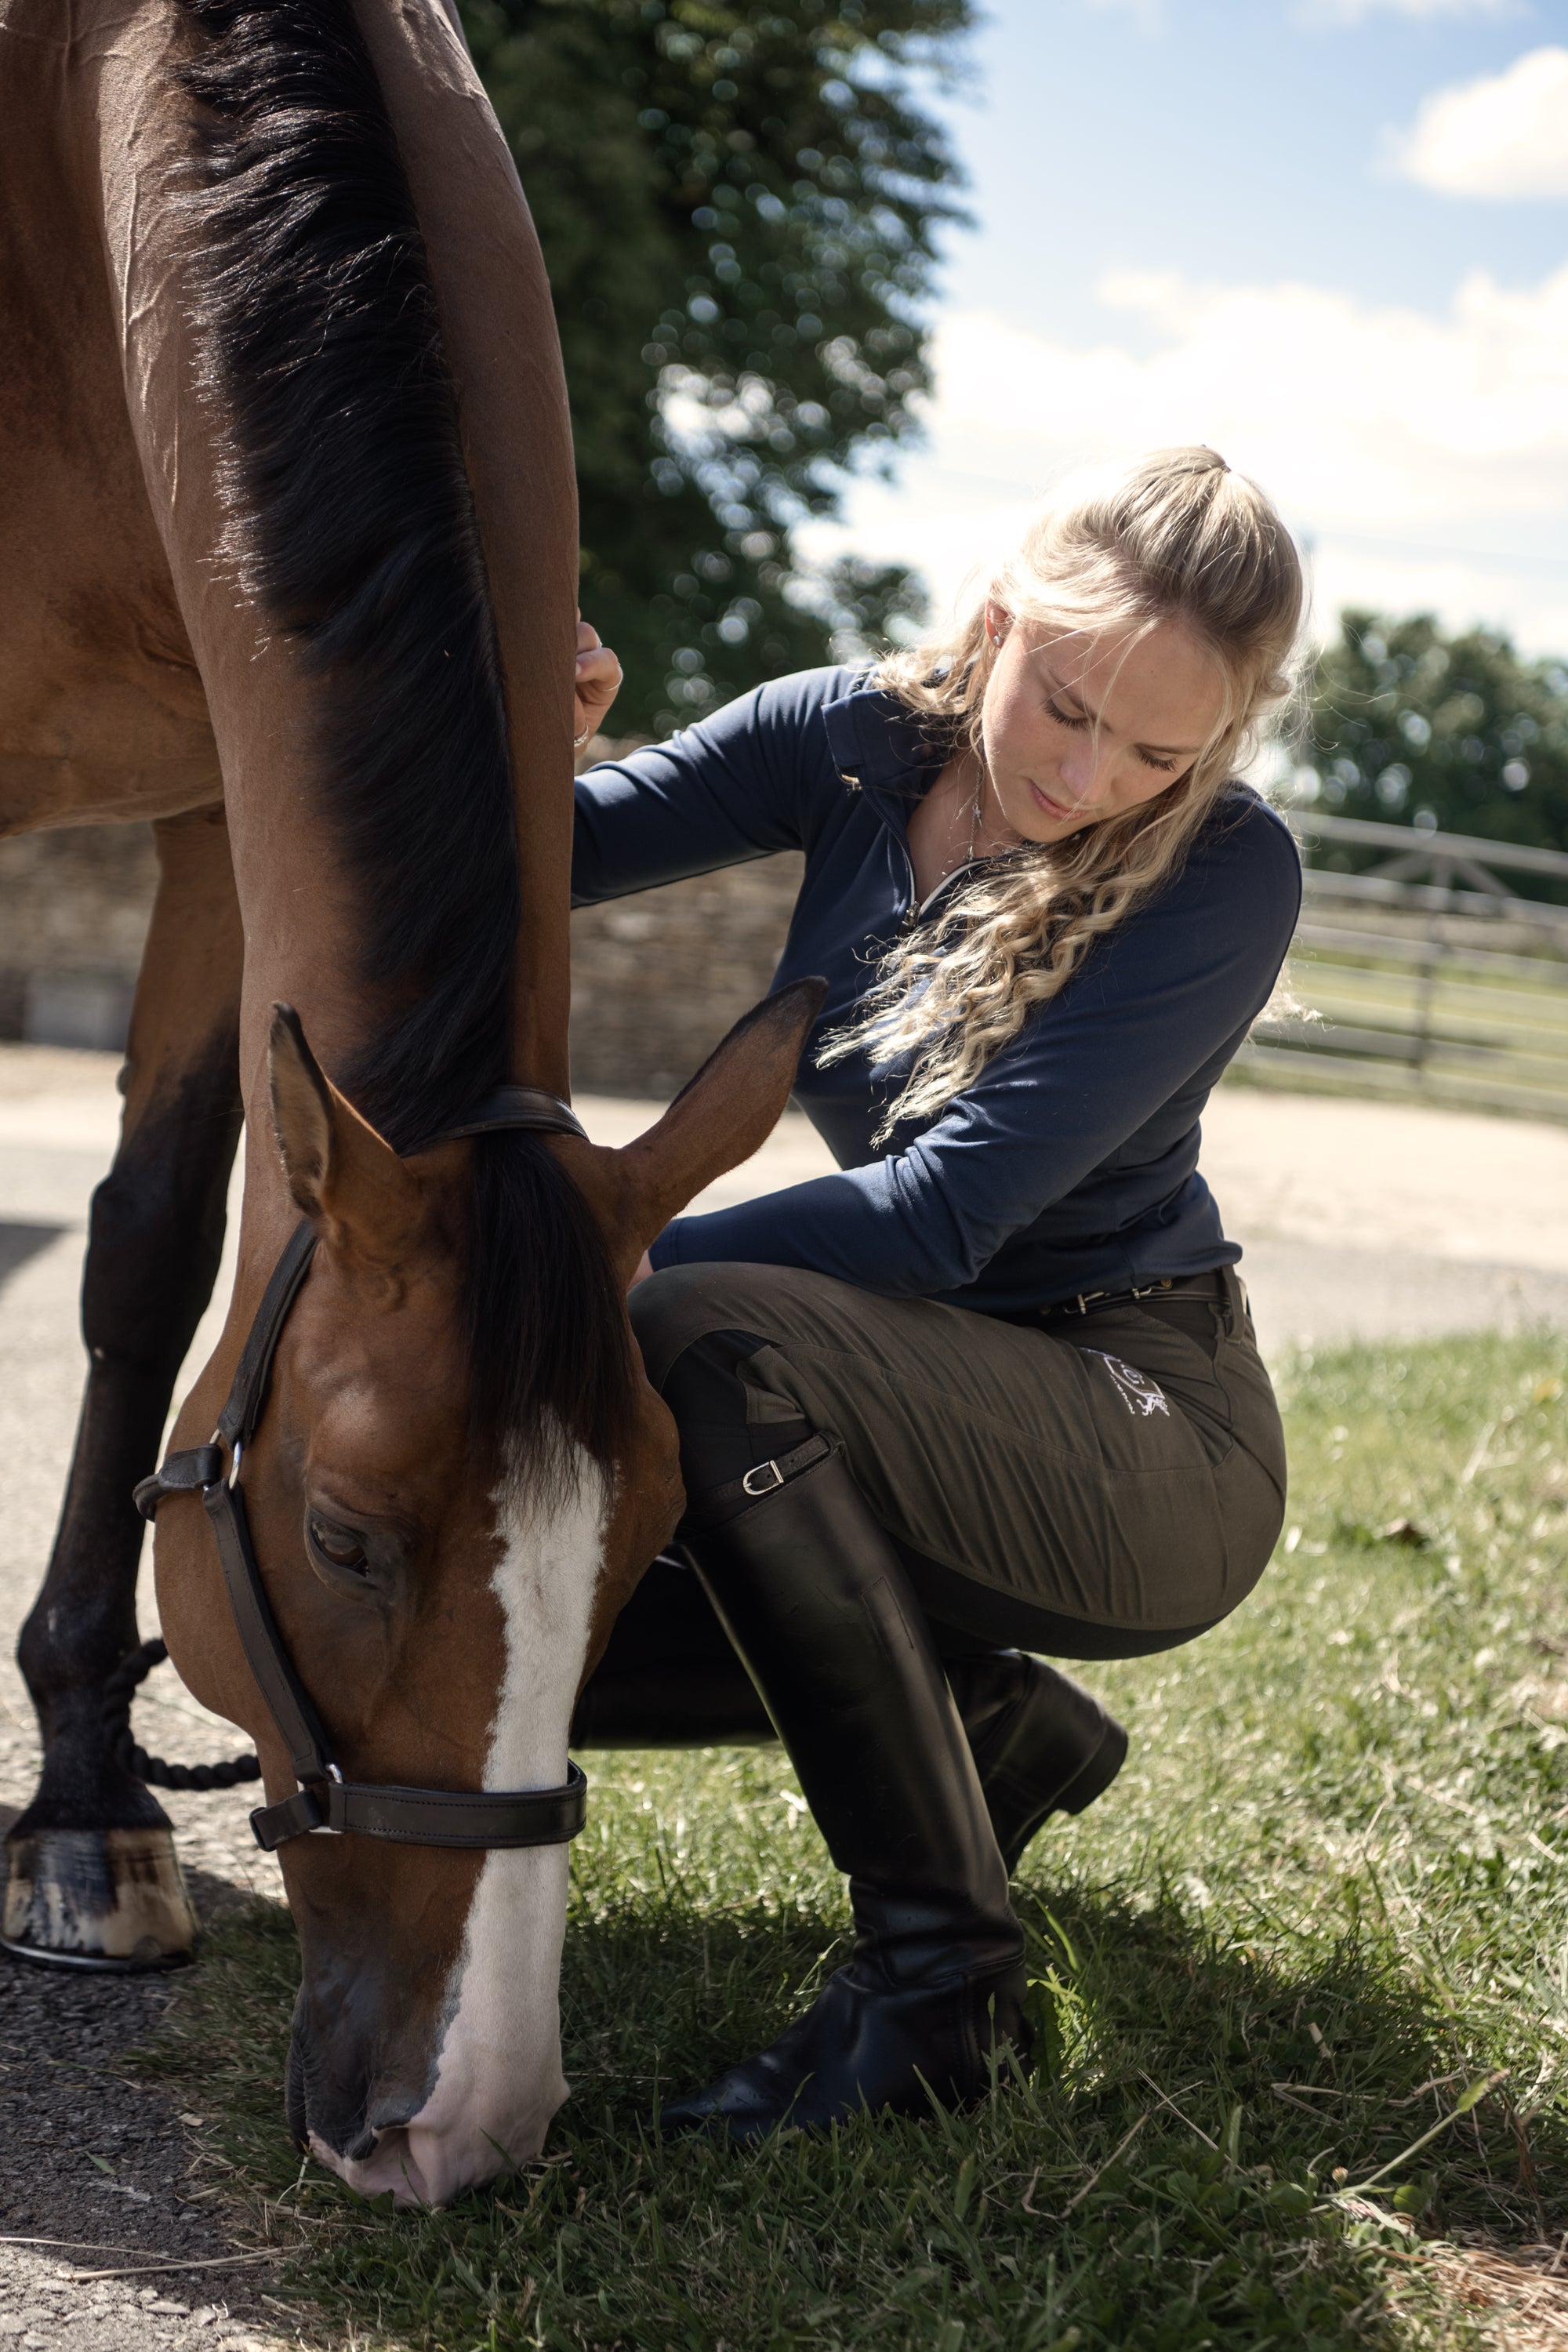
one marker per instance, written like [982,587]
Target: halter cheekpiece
[324,1799]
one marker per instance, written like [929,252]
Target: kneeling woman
[991,1390]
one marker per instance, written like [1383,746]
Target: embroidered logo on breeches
[1140,1394]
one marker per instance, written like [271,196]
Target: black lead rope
[324,1800]
[118,1691]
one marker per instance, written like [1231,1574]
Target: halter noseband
[324,1800]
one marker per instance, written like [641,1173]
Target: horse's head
[458,1476]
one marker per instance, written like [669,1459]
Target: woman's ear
[998,621]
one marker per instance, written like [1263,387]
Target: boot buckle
[769,1473]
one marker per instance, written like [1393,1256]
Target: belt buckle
[768,1470]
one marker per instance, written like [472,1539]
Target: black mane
[350,524]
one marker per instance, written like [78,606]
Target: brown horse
[287,566]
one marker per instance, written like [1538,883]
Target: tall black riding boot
[818,1604]
[670,1678]
[1042,1743]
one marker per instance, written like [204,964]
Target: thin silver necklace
[975,809]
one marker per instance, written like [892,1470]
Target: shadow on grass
[1165,2180]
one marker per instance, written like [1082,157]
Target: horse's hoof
[113,1900]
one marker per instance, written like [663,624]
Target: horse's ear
[727,1112]
[355,1190]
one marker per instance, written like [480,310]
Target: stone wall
[74,906]
[657,979]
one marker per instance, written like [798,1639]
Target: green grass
[1329,1892]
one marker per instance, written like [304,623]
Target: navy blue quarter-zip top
[1071,1164]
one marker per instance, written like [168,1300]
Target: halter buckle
[226,1477]
[328,1826]
[768,1471]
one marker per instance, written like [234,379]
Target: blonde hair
[1175,536]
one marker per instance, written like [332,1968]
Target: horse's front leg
[93,1878]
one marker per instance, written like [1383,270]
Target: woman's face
[1078,729]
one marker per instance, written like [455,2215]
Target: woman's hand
[597,683]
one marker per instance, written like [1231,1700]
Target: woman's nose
[1083,769]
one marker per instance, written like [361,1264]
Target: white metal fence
[1428,975]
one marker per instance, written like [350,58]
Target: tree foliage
[737,205]
[1410,724]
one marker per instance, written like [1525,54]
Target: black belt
[1196,1289]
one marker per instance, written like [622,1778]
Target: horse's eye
[338,1545]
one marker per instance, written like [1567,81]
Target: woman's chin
[1043,825]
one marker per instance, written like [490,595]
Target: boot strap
[765,1478]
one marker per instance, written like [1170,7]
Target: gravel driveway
[90,2161]
[100,2173]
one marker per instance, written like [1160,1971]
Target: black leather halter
[324,1800]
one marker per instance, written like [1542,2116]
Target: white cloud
[1426,457]
[1503,135]
[1354,12]
[1151,13]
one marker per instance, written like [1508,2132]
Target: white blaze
[498,2080]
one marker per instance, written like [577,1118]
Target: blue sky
[1330,237]
[1237,137]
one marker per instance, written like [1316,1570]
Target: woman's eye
[1064,718]
[336,1544]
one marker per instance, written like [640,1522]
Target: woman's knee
[657,1310]
[700,1355]
[672,1309]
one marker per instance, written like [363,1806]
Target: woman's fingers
[597,682]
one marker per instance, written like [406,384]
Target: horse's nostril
[385,2135]
[392,2115]
[331,2108]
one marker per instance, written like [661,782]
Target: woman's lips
[1057,809]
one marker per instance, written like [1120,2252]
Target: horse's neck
[123,134]
[303,912]
[498,327]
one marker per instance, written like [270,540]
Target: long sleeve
[1166,1000]
[736,786]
